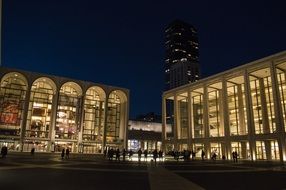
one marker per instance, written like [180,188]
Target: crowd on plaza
[111,153]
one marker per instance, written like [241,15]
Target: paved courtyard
[49,171]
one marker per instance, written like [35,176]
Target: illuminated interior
[183,116]
[198,110]
[68,111]
[236,106]
[40,109]
[12,98]
[215,110]
[50,113]
[242,110]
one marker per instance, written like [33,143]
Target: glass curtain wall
[237,106]
[270,105]
[262,101]
[183,116]
[12,98]
[214,108]
[216,149]
[274,150]
[113,118]
[282,89]
[260,150]
[256,104]
[93,116]
[39,114]
[68,112]
[198,110]
[198,147]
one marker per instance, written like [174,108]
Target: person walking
[160,155]
[139,154]
[155,155]
[145,154]
[33,151]
[67,153]
[123,154]
[63,153]
[4,151]
[203,155]
[130,154]
[117,153]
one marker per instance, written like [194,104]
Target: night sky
[121,43]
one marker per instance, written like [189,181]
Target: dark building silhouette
[182,54]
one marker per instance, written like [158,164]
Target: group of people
[110,152]
[186,155]
[4,151]
[234,156]
[65,153]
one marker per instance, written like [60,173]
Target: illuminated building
[50,113]
[242,109]
[182,54]
[145,134]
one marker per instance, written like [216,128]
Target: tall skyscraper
[182,54]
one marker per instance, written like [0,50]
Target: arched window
[115,124]
[12,99]
[93,114]
[40,108]
[68,111]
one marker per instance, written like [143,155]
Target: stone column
[105,122]
[53,120]
[265,120]
[24,117]
[268,149]
[225,121]
[279,120]
[206,113]
[81,125]
[190,121]
[176,121]
[242,124]
[164,124]
[250,121]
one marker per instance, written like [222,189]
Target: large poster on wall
[9,112]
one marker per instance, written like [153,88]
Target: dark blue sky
[121,43]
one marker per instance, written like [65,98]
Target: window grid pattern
[183,108]
[39,113]
[93,117]
[113,118]
[12,99]
[198,131]
[215,126]
[269,103]
[68,113]
[256,103]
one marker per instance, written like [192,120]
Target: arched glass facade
[12,100]
[50,113]
[40,109]
[94,114]
[113,117]
[68,112]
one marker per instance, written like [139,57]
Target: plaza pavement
[49,171]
